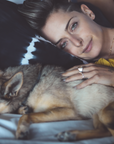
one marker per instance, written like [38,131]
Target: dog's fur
[51,99]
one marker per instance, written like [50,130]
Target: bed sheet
[44,133]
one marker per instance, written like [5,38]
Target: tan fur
[51,99]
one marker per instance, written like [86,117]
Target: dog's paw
[24,110]
[23,135]
[66,136]
[22,132]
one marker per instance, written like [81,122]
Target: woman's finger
[86,83]
[84,65]
[78,76]
[69,73]
[74,77]
[86,68]
[72,71]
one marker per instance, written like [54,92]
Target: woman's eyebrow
[67,25]
[58,41]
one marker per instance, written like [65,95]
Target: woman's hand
[93,73]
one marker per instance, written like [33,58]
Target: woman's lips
[88,48]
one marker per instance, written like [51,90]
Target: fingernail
[63,79]
[78,88]
[75,87]
[63,74]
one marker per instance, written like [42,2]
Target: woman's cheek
[72,49]
[69,48]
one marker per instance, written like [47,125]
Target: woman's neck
[108,44]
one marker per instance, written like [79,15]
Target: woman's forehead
[56,24]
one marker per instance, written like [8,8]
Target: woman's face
[75,32]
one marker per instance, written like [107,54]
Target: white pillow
[17,1]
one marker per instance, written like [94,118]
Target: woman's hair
[36,12]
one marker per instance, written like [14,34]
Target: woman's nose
[77,41]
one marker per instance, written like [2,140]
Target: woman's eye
[63,45]
[74,26]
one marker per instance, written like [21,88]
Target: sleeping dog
[42,91]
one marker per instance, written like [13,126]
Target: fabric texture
[109,62]
[44,133]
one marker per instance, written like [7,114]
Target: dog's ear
[12,86]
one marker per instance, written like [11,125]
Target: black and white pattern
[28,55]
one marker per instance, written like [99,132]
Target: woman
[71,27]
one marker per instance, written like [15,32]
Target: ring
[80,69]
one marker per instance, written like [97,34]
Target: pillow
[20,45]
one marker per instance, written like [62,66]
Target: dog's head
[9,89]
